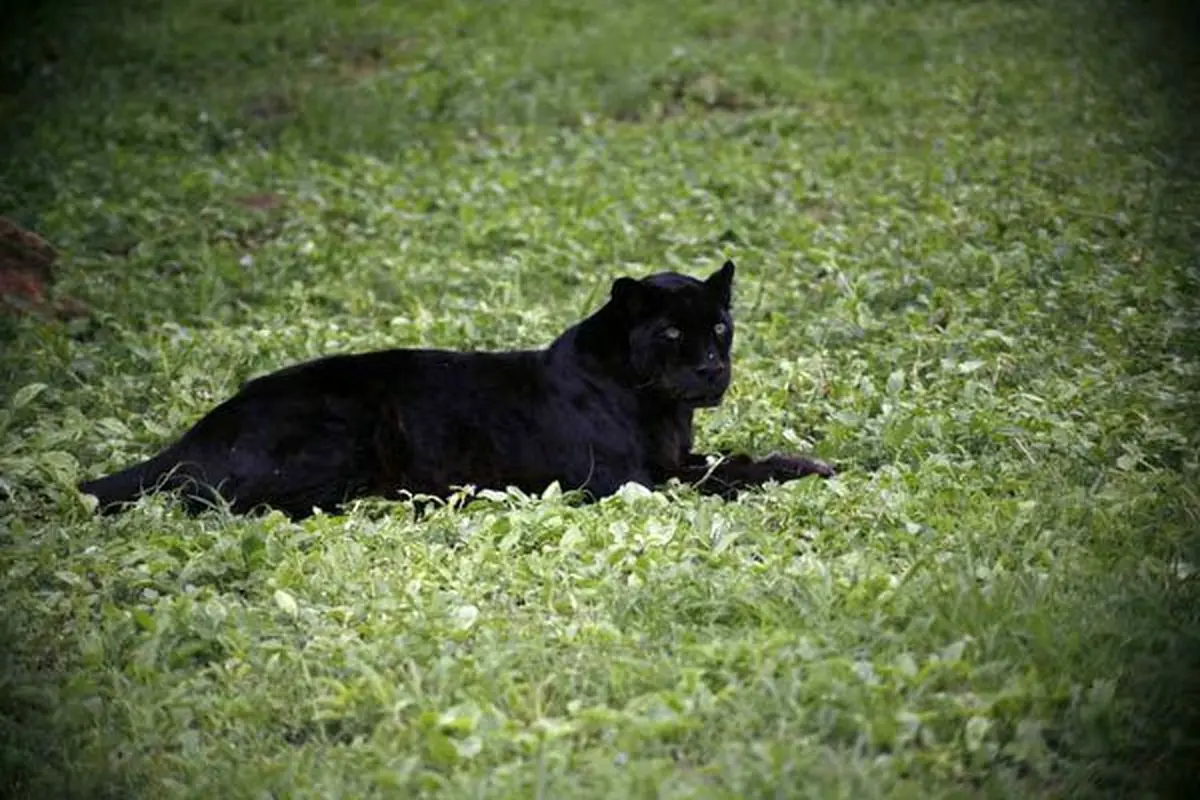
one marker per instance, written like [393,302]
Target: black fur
[610,401]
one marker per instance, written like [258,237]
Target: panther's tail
[162,472]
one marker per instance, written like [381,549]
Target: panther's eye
[672,333]
[720,328]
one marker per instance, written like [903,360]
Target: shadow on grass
[37,748]
[40,40]
[1164,676]
[35,38]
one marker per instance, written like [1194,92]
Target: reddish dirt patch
[707,93]
[26,274]
[263,201]
[360,57]
[271,106]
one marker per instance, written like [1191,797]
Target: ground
[966,242]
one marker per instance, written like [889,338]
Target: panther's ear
[720,283]
[630,295]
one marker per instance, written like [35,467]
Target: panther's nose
[712,365]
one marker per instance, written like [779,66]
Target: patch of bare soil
[27,274]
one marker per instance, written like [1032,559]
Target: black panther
[608,402]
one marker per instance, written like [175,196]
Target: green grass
[966,243]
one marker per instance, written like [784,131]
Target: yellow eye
[720,328]
[672,333]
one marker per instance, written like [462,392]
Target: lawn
[966,239]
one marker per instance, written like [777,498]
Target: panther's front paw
[799,466]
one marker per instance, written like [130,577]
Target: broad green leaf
[286,603]
[464,616]
[26,395]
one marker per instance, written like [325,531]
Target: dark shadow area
[32,734]
[53,60]
[37,38]
[1164,676]
[34,39]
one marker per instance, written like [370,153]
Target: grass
[966,244]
